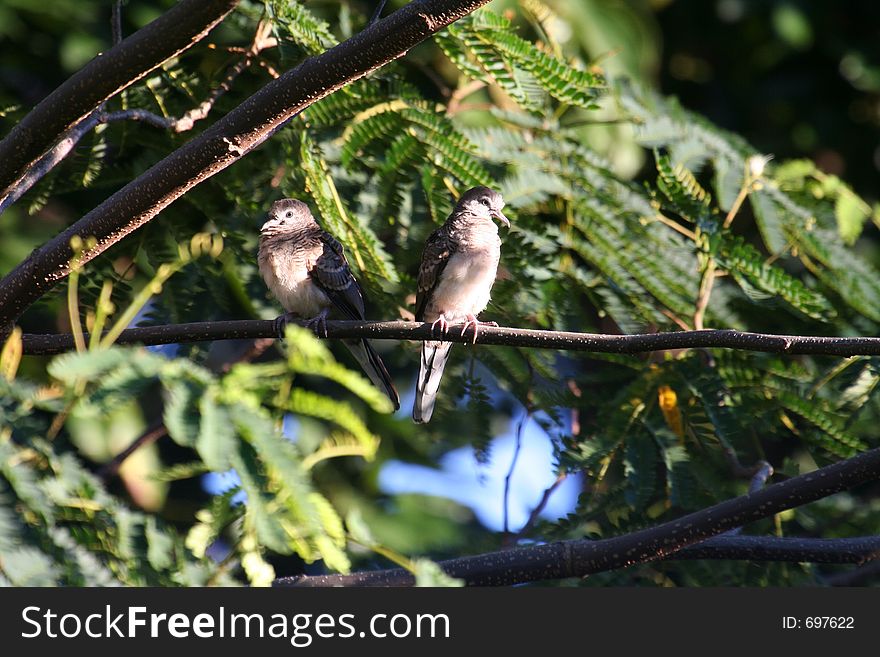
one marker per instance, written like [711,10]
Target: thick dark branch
[564,340]
[579,558]
[729,548]
[243,129]
[109,73]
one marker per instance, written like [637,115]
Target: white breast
[465,285]
[292,285]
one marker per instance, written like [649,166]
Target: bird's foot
[443,323]
[318,324]
[471,320]
[281,323]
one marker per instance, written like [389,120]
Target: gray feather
[431,365]
[374,368]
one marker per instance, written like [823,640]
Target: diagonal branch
[582,557]
[47,344]
[109,73]
[219,146]
[729,548]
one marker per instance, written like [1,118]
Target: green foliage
[492,100]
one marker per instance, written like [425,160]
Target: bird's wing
[438,249]
[332,274]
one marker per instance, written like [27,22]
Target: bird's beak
[271,223]
[497,214]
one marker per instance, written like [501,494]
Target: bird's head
[483,203]
[285,215]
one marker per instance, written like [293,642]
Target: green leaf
[640,467]
[301,26]
[88,365]
[160,545]
[306,402]
[428,573]
[728,182]
[181,415]
[681,483]
[216,434]
[844,270]
[260,504]
[357,528]
[851,215]
[28,566]
[770,221]
[748,267]
[369,254]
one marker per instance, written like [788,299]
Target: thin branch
[116,22]
[151,435]
[582,557]
[222,144]
[707,282]
[539,507]
[262,40]
[47,344]
[516,450]
[377,13]
[759,474]
[709,273]
[461,93]
[68,142]
[109,73]
[763,471]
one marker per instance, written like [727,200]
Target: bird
[305,268]
[457,271]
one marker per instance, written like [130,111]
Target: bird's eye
[288,214]
[485,201]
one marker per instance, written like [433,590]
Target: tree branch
[47,344]
[582,557]
[729,548]
[222,144]
[68,141]
[151,435]
[106,75]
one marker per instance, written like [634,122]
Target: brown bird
[305,269]
[455,281]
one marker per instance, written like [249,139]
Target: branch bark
[579,558]
[729,548]
[219,146]
[109,73]
[47,344]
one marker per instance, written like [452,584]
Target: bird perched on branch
[458,269]
[305,269]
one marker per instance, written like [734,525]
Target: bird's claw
[444,325]
[281,324]
[318,324]
[471,320]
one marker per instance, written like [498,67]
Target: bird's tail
[433,360]
[363,351]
